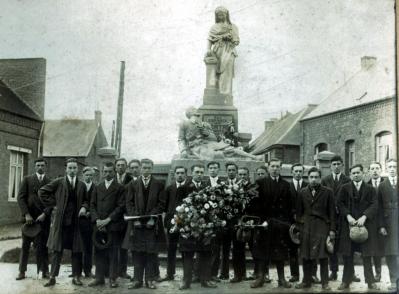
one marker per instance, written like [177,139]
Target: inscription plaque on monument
[218,122]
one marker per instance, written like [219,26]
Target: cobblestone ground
[32,284]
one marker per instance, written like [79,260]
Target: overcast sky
[292,52]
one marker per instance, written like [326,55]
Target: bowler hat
[358,234]
[31,230]
[295,234]
[101,239]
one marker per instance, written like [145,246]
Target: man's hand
[361,221]
[383,232]
[332,235]
[82,211]
[28,219]
[351,220]
[103,223]
[41,217]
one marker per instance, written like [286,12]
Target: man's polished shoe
[125,275]
[76,281]
[355,279]
[96,282]
[303,285]
[343,286]
[89,275]
[167,278]
[325,287]
[158,279]
[267,279]
[315,280]
[50,282]
[208,284]
[333,276]
[215,279]
[20,276]
[184,286]
[373,286]
[236,280]
[224,277]
[377,278]
[284,284]
[258,283]
[293,279]
[113,283]
[45,275]
[151,285]
[135,285]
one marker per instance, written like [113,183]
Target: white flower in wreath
[213,197]
[180,209]
[187,209]
[223,223]
[203,211]
[206,206]
[172,221]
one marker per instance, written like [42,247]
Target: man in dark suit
[107,207]
[174,195]
[315,213]
[274,207]
[388,220]
[67,196]
[334,181]
[375,181]
[134,169]
[358,206]
[123,178]
[228,233]
[190,247]
[213,180]
[85,224]
[33,210]
[145,236]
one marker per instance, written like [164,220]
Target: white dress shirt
[120,178]
[108,183]
[214,181]
[297,184]
[88,185]
[376,182]
[180,184]
[72,181]
[40,177]
[336,176]
[358,185]
[393,181]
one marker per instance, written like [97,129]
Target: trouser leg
[280,269]
[348,269]
[216,250]
[239,265]
[76,263]
[392,263]
[314,267]
[368,270]
[294,263]
[334,263]
[139,265]
[172,250]
[204,262]
[151,266]
[24,255]
[56,263]
[113,262]
[323,270]
[188,260]
[101,263]
[226,246]
[87,252]
[377,264]
[307,270]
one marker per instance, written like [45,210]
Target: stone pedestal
[217,109]
[252,165]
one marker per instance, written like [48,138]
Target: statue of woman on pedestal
[197,140]
[222,40]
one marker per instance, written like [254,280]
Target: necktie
[73,183]
[313,193]
[358,186]
[296,186]
[375,184]
[146,182]
[393,182]
[40,178]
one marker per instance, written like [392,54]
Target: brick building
[281,138]
[22,97]
[356,121]
[83,139]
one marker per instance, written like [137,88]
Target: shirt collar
[108,182]
[181,184]
[358,184]
[70,179]
[337,176]
[39,175]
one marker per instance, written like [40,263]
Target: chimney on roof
[368,62]
[97,117]
[269,123]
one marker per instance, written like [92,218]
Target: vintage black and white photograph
[205,146]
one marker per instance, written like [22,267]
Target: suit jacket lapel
[139,195]
[318,193]
[151,195]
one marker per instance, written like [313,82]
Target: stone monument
[204,136]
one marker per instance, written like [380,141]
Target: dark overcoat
[143,239]
[367,206]
[274,205]
[55,195]
[86,226]
[28,199]
[295,193]
[108,203]
[389,216]
[316,216]
[174,197]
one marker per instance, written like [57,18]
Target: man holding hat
[316,215]
[106,208]
[357,203]
[67,196]
[34,214]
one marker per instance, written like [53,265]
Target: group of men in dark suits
[325,210]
